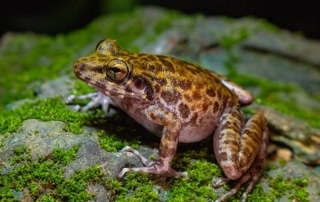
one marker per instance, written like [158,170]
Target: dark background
[62,16]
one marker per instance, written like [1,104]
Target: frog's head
[109,70]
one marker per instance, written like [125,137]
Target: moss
[44,110]
[258,194]
[199,186]
[30,59]
[43,179]
[233,38]
[296,189]
[114,143]
[135,187]
[64,157]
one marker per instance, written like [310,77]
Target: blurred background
[62,16]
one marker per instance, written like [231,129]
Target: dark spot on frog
[187,97]
[180,64]
[102,60]
[216,80]
[184,110]
[157,88]
[148,76]
[225,157]
[246,153]
[83,60]
[151,68]
[184,84]
[210,92]
[236,126]
[196,96]
[152,116]
[98,70]
[146,57]
[228,124]
[82,67]
[230,142]
[171,97]
[194,119]
[167,66]
[216,107]
[236,114]
[205,106]
[219,94]
[161,81]
[254,136]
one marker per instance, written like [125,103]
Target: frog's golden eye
[117,70]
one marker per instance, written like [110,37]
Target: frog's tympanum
[179,102]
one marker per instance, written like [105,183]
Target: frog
[180,102]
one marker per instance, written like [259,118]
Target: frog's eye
[117,70]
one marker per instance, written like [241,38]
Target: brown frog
[179,102]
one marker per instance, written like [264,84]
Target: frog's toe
[250,178]
[155,170]
[143,159]
[69,99]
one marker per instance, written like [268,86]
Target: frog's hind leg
[239,150]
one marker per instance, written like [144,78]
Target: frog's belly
[188,133]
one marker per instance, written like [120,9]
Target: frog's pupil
[114,73]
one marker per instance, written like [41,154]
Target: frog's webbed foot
[154,167]
[251,177]
[97,99]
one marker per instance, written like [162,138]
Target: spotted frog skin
[179,102]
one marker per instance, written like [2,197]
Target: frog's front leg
[167,149]
[241,150]
[97,99]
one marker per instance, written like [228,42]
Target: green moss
[136,187]
[44,110]
[64,157]
[233,38]
[115,142]
[258,194]
[199,186]
[294,188]
[29,58]
[43,179]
